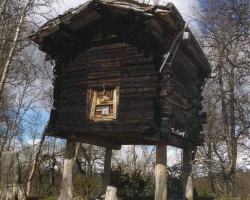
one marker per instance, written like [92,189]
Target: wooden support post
[161,172]
[111,193]
[66,187]
[187,174]
[107,170]
[10,177]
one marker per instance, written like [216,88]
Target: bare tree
[224,34]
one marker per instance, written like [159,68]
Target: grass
[233,198]
[43,198]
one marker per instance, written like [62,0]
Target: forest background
[221,166]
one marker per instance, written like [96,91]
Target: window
[103,104]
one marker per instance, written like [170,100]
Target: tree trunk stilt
[107,170]
[66,187]
[10,177]
[161,172]
[187,174]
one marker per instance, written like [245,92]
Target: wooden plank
[83,18]
[139,81]
[106,179]
[147,115]
[182,89]
[111,46]
[90,83]
[142,90]
[92,101]
[136,106]
[86,138]
[120,129]
[138,60]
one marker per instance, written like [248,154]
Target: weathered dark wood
[116,45]
[107,170]
[10,177]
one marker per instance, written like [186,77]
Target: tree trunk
[66,187]
[107,170]
[134,157]
[161,172]
[12,49]
[10,177]
[187,174]
[34,165]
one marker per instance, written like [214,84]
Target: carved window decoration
[103,104]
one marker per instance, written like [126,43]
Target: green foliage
[87,187]
[49,198]
[202,187]
[130,183]
[43,198]
[175,181]
[233,198]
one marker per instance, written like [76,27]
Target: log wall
[181,88]
[111,65]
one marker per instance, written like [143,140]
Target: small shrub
[129,183]
[86,187]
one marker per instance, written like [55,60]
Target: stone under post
[187,173]
[111,193]
[66,187]
[161,172]
[107,170]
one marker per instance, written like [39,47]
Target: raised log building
[125,73]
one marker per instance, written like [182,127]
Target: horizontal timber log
[78,106]
[138,97]
[107,139]
[185,61]
[151,90]
[83,18]
[195,56]
[139,115]
[130,125]
[181,89]
[135,82]
[109,47]
[136,106]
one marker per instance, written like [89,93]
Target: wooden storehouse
[125,73]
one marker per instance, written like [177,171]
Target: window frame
[91,104]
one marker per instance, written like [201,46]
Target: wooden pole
[187,174]
[161,172]
[66,187]
[107,170]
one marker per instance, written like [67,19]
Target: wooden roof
[164,17]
